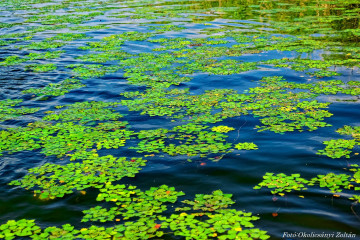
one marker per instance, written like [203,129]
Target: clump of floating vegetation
[190,140]
[280,184]
[140,215]
[56,89]
[9,109]
[337,148]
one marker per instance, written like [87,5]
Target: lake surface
[167,64]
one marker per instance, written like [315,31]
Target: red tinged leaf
[157,226]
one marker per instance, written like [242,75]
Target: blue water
[236,173]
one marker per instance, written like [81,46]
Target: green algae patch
[91,70]
[280,108]
[189,140]
[9,109]
[61,138]
[85,112]
[283,183]
[337,148]
[280,184]
[56,89]
[209,218]
[246,146]
[222,129]
[105,57]
[43,45]
[54,181]
[41,67]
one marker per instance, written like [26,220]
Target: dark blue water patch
[345,113]
[202,82]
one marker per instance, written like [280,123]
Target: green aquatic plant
[222,129]
[190,140]
[8,109]
[337,148]
[105,57]
[208,214]
[356,177]
[332,181]
[106,45]
[12,60]
[68,37]
[178,103]
[14,38]
[280,108]
[246,146]
[336,183]
[131,36]
[61,138]
[145,62]
[92,70]
[88,28]
[204,52]
[306,64]
[282,111]
[21,228]
[161,78]
[166,28]
[223,224]
[6,42]
[48,55]
[85,112]
[131,202]
[56,89]
[147,219]
[15,60]
[43,45]
[228,67]
[53,181]
[6,25]
[213,219]
[84,128]
[114,42]
[217,200]
[43,28]
[41,67]
[282,183]
[150,12]
[180,43]
[63,18]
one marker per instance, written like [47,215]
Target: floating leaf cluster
[190,140]
[335,183]
[62,138]
[8,109]
[337,148]
[56,89]
[54,181]
[209,218]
